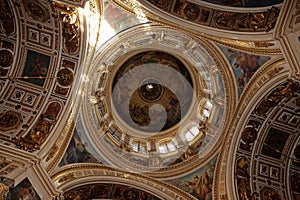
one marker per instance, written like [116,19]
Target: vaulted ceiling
[149,99]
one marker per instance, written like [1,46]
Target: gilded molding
[56,152]
[80,3]
[223,71]
[258,47]
[68,16]
[65,176]
[202,15]
[254,47]
[285,33]
[261,47]
[260,78]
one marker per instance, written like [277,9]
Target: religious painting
[23,190]
[295,185]
[198,183]
[65,77]
[118,19]
[80,149]
[108,191]
[77,152]
[245,3]
[274,143]
[60,90]
[156,89]
[53,110]
[94,191]
[36,68]
[244,65]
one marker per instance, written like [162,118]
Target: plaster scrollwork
[36,137]
[80,3]
[5,185]
[3,191]
[10,120]
[37,11]
[281,92]
[70,26]
[247,21]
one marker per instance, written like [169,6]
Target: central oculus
[151,92]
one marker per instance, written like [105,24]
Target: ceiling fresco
[108,191]
[77,151]
[148,100]
[23,190]
[198,183]
[150,96]
[244,65]
[115,20]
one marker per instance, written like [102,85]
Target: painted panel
[244,65]
[198,183]
[118,19]
[36,65]
[77,151]
[23,190]
[274,143]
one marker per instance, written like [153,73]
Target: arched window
[166,147]
[139,146]
[191,133]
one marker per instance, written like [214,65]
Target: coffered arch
[253,134]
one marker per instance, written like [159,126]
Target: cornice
[79,174]
[149,12]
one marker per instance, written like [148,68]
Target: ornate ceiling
[149,99]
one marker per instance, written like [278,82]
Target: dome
[149,99]
[151,92]
[151,108]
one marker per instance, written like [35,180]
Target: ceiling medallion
[151,107]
